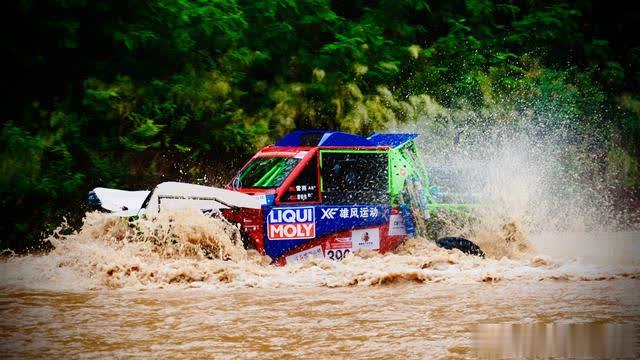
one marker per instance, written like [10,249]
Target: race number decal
[337,254]
[338,248]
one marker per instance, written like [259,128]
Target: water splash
[524,174]
[182,248]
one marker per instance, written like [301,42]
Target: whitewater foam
[184,248]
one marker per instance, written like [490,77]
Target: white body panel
[121,202]
[173,195]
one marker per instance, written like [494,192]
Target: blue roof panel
[322,138]
[302,138]
[344,139]
[392,140]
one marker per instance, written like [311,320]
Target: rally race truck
[312,194]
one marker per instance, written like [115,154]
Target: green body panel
[400,167]
[407,163]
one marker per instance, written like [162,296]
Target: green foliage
[115,93]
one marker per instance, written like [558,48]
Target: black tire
[462,244]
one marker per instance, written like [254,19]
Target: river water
[101,293]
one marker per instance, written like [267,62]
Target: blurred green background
[129,93]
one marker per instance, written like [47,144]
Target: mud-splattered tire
[462,244]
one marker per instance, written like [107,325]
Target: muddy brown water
[576,296]
[410,320]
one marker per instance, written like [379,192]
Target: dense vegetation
[120,93]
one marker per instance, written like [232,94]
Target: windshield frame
[238,183]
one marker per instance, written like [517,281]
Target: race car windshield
[267,172]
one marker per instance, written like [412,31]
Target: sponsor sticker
[396,225]
[291,223]
[314,252]
[346,212]
[366,239]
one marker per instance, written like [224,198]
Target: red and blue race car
[312,194]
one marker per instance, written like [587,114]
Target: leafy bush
[114,93]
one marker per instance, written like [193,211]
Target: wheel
[462,244]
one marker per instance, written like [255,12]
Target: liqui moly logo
[292,223]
